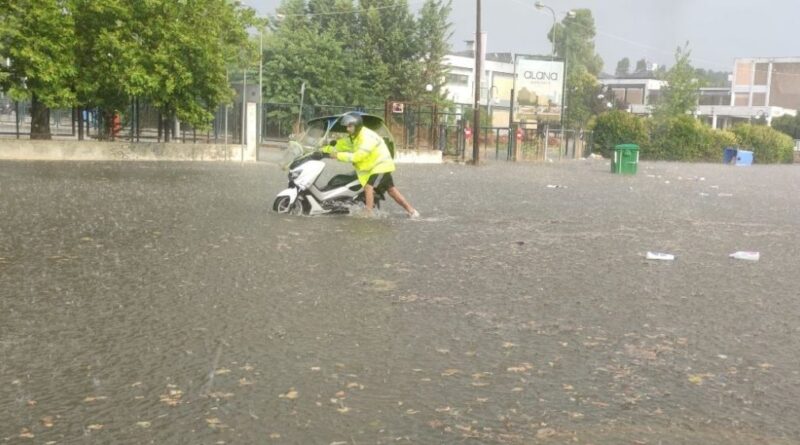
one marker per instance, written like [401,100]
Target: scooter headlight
[293,174]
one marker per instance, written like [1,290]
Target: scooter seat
[339,181]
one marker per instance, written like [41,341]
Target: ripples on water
[164,302]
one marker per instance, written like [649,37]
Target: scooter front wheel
[282,204]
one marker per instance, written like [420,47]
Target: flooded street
[166,303]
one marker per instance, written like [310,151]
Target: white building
[762,88]
[497,80]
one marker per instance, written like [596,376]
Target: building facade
[761,88]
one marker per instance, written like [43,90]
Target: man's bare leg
[369,198]
[398,197]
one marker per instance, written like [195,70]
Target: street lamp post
[564,91]
[476,114]
[540,5]
[259,114]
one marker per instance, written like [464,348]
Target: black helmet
[353,119]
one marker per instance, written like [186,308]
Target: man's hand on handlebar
[330,149]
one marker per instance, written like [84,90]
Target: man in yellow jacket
[372,160]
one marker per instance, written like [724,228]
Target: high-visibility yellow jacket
[368,153]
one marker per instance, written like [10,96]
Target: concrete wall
[418,157]
[23,149]
[13,149]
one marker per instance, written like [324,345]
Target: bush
[677,138]
[769,145]
[618,127]
[683,138]
[716,142]
[788,124]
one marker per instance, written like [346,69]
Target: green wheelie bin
[626,159]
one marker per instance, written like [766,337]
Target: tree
[789,125]
[388,30]
[576,43]
[310,48]
[107,56]
[680,94]
[188,47]
[37,37]
[623,66]
[433,34]
[712,78]
[101,54]
[581,98]
[641,66]
[359,55]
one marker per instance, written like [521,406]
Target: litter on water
[660,256]
[744,255]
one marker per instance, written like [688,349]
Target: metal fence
[516,143]
[414,126]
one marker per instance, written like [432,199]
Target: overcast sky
[717,30]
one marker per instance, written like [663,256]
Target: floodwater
[165,303]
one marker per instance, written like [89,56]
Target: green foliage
[623,66]
[683,138]
[171,53]
[582,90]
[433,35]
[392,37]
[38,37]
[680,94]
[769,146]
[575,41]
[619,127]
[187,46]
[715,142]
[789,125]
[360,53]
[641,66]
[712,78]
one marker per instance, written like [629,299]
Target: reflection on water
[164,302]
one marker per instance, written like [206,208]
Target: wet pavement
[166,303]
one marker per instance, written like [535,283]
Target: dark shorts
[381,182]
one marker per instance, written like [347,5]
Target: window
[741,99]
[458,79]
[762,72]
[743,74]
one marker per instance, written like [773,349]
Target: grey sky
[717,30]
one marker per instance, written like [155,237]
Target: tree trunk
[40,120]
[167,127]
[80,123]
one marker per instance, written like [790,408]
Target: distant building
[497,80]
[633,90]
[765,82]
[762,88]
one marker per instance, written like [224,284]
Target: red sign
[520,134]
[468,132]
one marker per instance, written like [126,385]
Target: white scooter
[305,163]
[304,197]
